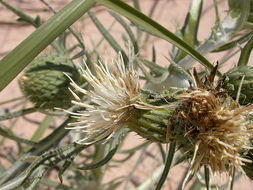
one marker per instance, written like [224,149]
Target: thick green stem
[18,113]
[101,151]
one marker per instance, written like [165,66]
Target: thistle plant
[204,120]
[204,116]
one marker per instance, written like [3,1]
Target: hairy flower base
[150,124]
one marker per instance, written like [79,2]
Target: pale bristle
[113,95]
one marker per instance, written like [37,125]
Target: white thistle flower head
[108,103]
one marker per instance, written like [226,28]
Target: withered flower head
[108,103]
[211,128]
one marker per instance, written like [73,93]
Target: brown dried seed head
[210,122]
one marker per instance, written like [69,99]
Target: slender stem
[134,149]
[48,6]
[18,113]
[167,166]
[134,168]
[229,57]
[232,180]
[207,177]
[148,184]
[218,21]
[162,152]
[12,100]
[101,151]
[12,124]
[7,134]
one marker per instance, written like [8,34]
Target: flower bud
[44,82]
[233,78]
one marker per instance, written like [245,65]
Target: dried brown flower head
[211,128]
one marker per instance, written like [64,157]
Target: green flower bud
[232,82]
[44,82]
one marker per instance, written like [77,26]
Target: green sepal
[153,123]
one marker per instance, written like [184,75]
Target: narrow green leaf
[190,28]
[48,159]
[100,163]
[232,180]
[153,54]
[9,135]
[153,27]
[155,68]
[35,178]
[149,77]
[207,177]
[66,165]
[18,113]
[246,51]
[40,131]
[234,43]
[12,64]
[107,36]
[137,4]
[191,25]
[163,154]
[35,22]
[138,31]
[218,20]
[128,30]
[12,100]
[178,69]
[167,166]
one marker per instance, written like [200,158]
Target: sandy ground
[169,13]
